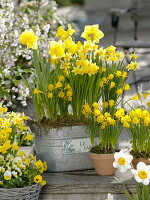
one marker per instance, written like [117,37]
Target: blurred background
[126,24]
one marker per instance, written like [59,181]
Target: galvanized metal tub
[64,149]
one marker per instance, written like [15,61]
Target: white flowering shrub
[15,60]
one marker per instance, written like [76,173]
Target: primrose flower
[38,179]
[142,174]
[92,33]
[29,38]
[7,175]
[122,161]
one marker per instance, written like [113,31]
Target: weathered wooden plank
[87,182]
[79,197]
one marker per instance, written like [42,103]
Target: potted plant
[108,128]
[137,123]
[20,174]
[62,83]
[105,117]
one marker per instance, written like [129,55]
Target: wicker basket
[24,193]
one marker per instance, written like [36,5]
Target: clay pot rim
[99,156]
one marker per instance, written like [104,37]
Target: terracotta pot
[135,161]
[103,163]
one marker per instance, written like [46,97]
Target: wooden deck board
[87,185]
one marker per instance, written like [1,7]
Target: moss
[142,154]
[61,121]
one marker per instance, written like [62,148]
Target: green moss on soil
[140,154]
[61,121]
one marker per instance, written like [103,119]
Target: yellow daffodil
[119,91]
[29,38]
[92,33]
[126,87]
[56,50]
[65,34]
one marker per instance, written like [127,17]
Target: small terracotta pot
[103,163]
[135,161]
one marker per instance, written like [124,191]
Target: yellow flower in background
[126,118]
[50,95]
[43,183]
[111,76]
[61,78]
[111,103]
[39,165]
[105,104]
[136,97]
[124,75]
[111,121]
[22,154]
[101,84]
[147,121]
[3,109]
[92,33]
[104,79]
[5,147]
[111,49]
[96,112]
[126,87]
[69,93]
[106,115]
[118,73]
[56,50]
[51,87]
[65,34]
[38,179]
[132,66]
[70,46]
[28,137]
[112,85]
[87,108]
[135,120]
[119,91]
[36,91]
[29,38]
[133,56]
[95,105]
[61,94]
[100,119]
[77,70]
[101,53]
[126,125]
[58,85]
[119,113]
[15,146]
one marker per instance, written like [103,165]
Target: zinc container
[64,149]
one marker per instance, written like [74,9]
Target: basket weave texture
[24,193]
